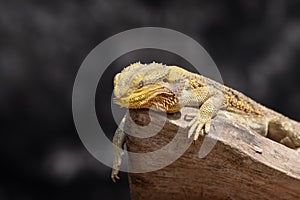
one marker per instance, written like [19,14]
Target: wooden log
[241,165]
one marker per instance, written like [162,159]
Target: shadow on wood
[241,165]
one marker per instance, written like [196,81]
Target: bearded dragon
[169,88]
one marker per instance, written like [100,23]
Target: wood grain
[241,165]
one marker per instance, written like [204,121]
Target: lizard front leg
[200,125]
[118,143]
[209,100]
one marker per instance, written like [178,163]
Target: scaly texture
[169,88]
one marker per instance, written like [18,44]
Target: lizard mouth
[155,98]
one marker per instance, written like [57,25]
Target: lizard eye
[141,84]
[165,80]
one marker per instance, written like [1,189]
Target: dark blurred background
[255,44]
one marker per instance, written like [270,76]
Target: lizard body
[169,88]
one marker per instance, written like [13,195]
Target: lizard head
[146,86]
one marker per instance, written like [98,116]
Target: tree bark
[241,164]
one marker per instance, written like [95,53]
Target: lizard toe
[207,127]
[198,133]
[114,175]
[202,129]
[193,125]
[199,127]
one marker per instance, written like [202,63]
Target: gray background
[255,44]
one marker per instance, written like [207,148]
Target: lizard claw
[196,136]
[193,124]
[116,165]
[207,126]
[114,175]
[199,127]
